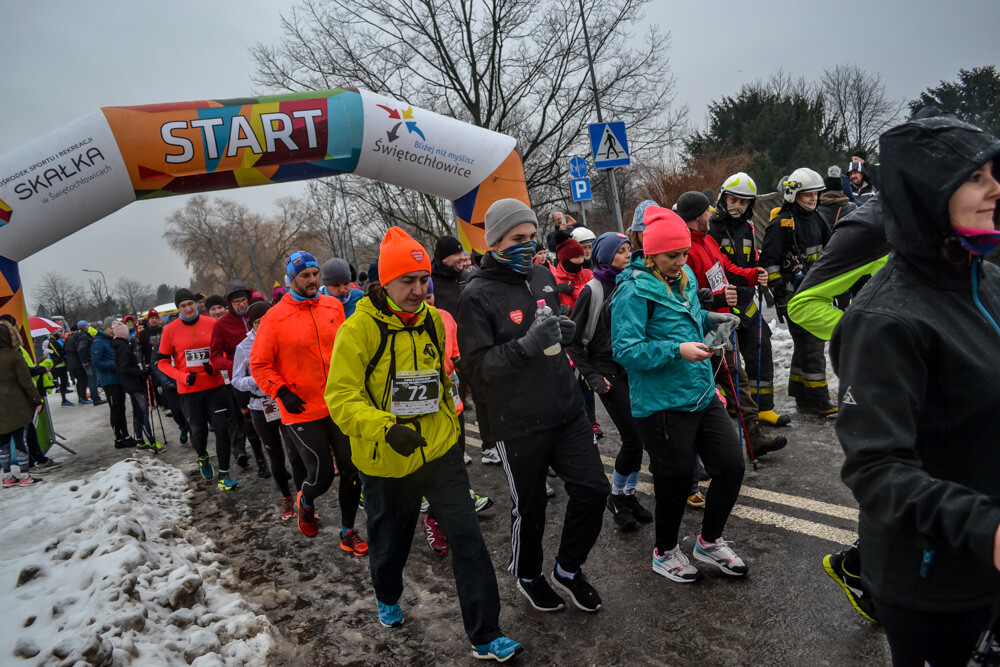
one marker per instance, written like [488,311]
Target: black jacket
[448,286]
[735,237]
[793,240]
[524,396]
[595,361]
[149,340]
[72,355]
[133,377]
[919,416]
[83,343]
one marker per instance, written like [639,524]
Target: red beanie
[399,254]
[569,249]
[665,231]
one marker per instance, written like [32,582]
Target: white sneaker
[675,566]
[491,457]
[468,459]
[719,554]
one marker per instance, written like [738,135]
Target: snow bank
[110,571]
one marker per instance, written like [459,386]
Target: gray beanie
[503,216]
[637,223]
[336,271]
[108,321]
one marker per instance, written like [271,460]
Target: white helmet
[739,184]
[582,235]
[802,179]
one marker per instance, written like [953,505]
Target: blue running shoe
[390,615]
[207,471]
[227,483]
[500,649]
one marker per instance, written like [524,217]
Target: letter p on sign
[580,188]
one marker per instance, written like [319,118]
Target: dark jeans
[93,383]
[616,401]
[570,451]
[940,639]
[80,378]
[318,442]
[270,436]
[393,508]
[116,402]
[672,440]
[22,454]
[140,416]
[200,407]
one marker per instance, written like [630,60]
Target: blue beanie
[82,324]
[637,224]
[605,247]
[299,261]
[430,286]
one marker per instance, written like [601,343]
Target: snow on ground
[109,570]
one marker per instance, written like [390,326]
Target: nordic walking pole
[760,335]
[744,434]
[149,414]
[163,431]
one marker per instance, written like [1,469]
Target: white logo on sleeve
[848,397]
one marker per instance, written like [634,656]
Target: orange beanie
[399,254]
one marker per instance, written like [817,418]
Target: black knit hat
[446,247]
[182,295]
[215,300]
[256,311]
[691,205]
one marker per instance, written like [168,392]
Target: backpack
[596,304]
[384,334]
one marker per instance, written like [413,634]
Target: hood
[833,198]
[234,286]
[9,337]
[923,162]
[366,305]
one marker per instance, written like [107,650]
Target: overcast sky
[62,60]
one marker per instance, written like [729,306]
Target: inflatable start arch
[112,157]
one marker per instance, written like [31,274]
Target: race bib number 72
[415,393]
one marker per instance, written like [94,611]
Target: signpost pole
[612,183]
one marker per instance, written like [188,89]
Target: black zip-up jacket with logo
[919,416]
[525,395]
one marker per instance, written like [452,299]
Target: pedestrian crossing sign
[609,145]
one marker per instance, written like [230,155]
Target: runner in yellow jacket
[389,393]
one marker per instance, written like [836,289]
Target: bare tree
[133,293]
[60,296]
[222,240]
[858,103]
[514,66]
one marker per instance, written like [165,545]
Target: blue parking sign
[580,187]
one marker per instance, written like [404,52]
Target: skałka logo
[5,213]
[403,116]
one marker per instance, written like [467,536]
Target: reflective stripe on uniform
[811,384]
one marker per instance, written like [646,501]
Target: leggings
[80,378]
[673,439]
[270,436]
[22,452]
[199,408]
[140,415]
[616,402]
[318,442]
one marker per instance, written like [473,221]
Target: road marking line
[811,528]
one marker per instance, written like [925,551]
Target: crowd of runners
[363,379]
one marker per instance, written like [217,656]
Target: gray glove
[567,329]
[543,333]
[720,326]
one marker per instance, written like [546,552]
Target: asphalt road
[792,512]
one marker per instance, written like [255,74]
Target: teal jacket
[648,324]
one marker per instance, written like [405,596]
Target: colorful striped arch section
[104,161]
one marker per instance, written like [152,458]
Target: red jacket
[230,330]
[705,254]
[177,338]
[292,348]
[577,280]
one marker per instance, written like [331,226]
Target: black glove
[564,288]
[543,334]
[404,441]
[567,329]
[705,297]
[192,376]
[209,368]
[291,401]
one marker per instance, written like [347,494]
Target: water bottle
[542,313]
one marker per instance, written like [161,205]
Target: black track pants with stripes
[571,452]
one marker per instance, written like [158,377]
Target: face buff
[979,242]
[517,257]
[736,210]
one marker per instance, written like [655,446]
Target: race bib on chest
[454,391]
[716,277]
[270,406]
[197,356]
[415,393]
